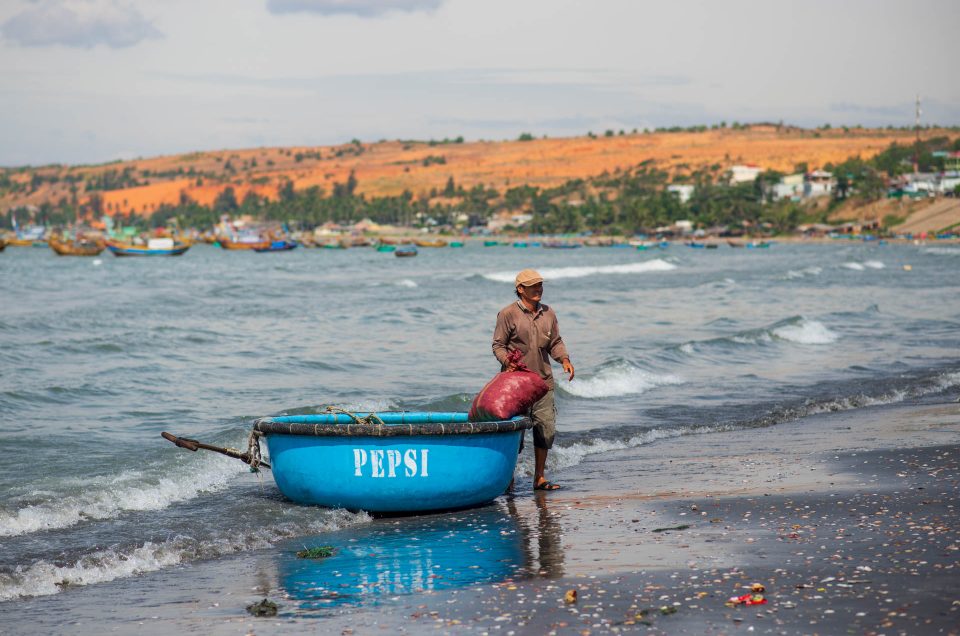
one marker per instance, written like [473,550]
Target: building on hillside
[507,218]
[949,181]
[683,191]
[818,183]
[815,230]
[746,173]
[789,187]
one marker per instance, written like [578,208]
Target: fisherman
[531,327]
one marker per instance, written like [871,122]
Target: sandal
[547,485]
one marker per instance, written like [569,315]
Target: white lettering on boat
[385,463]
[376,463]
[359,461]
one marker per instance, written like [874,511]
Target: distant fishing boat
[31,236]
[75,247]
[431,243]
[520,244]
[712,246]
[405,251]
[384,462]
[758,244]
[456,243]
[154,247]
[491,243]
[280,245]
[734,244]
[561,245]
[696,245]
[243,243]
[386,248]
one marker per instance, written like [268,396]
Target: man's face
[531,293]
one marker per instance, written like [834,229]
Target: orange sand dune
[392,167]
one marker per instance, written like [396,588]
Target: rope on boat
[372,418]
[253,451]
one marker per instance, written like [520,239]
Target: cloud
[362,8]
[79,24]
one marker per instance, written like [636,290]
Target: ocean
[98,356]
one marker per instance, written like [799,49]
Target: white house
[744,174]
[789,187]
[819,183]
[683,192]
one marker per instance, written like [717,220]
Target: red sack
[509,393]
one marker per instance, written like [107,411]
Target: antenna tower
[916,147]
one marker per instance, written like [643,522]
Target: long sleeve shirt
[535,334]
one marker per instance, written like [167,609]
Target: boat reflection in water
[399,556]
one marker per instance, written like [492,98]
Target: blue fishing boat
[405,251]
[280,245]
[391,461]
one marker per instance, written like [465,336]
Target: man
[531,327]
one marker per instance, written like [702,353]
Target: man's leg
[540,463]
[544,416]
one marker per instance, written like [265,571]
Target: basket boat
[391,461]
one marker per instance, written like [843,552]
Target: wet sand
[849,519]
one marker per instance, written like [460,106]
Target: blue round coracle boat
[391,461]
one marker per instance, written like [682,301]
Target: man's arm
[501,335]
[558,351]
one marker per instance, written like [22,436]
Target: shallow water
[97,356]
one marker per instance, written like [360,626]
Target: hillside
[392,167]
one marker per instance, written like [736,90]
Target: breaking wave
[107,497]
[44,577]
[655,265]
[616,379]
[805,332]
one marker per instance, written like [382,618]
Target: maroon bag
[509,393]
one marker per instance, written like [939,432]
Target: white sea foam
[806,332]
[549,274]
[803,273]
[406,282]
[859,267]
[616,380]
[942,251]
[688,348]
[110,496]
[566,456]
[43,577]
[753,338]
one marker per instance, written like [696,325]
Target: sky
[88,81]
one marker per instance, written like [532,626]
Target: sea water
[98,356]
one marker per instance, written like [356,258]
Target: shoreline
[801,507]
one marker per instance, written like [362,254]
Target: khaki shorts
[544,416]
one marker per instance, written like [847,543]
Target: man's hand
[568,368]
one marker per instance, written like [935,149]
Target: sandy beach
[848,519]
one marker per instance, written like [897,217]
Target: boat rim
[386,424]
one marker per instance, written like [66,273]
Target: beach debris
[680,527]
[668,609]
[265,607]
[570,597]
[755,597]
[318,552]
[907,268]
